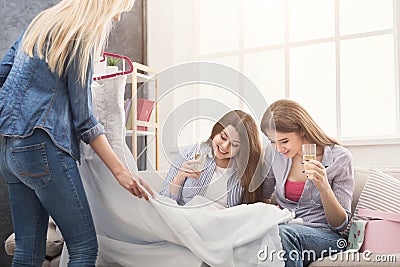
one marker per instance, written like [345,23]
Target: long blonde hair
[288,116]
[72,29]
[249,158]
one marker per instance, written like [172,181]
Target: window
[338,58]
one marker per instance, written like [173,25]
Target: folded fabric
[356,235]
[133,232]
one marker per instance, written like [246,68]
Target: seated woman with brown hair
[319,191]
[233,154]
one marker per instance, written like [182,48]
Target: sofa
[55,241]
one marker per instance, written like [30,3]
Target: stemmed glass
[200,158]
[309,152]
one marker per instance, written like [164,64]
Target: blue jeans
[43,180]
[303,244]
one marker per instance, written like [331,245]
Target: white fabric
[133,232]
[217,190]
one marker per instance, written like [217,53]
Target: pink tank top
[293,190]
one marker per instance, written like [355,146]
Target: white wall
[379,156]
[171,41]
[170,32]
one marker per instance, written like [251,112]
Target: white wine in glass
[309,152]
[200,160]
[305,157]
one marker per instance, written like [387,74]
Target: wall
[126,38]
[170,42]
[379,156]
[15,16]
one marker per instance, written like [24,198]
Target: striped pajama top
[192,187]
[339,169]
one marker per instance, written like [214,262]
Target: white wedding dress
[133,232]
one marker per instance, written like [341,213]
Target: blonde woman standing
[45,110]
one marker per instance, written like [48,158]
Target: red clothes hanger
[123,72]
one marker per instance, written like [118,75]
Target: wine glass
[200,158]
[309,152]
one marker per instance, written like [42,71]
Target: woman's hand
[134,184]
[334,212]
[316,172]
[120,172]
[188,170]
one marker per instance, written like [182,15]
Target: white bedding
[133,232]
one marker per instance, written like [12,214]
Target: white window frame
[286,46]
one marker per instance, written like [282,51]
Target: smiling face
[226,144]
[289,144]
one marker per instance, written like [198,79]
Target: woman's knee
[83,246]
[287,233]
[85,243]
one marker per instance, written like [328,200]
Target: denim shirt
[339,170]
[32,96]
[198,186]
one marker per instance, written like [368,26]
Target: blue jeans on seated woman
[303,245]
[43,180]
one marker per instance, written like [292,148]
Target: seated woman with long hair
[319,191]
[233,155]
